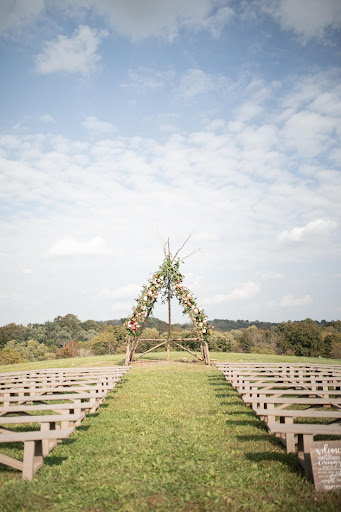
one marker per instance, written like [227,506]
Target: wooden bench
[76,398]
[47,422]
[287,417]
[55,388]
[38,383]
[294,393]
[33,449]
[305,434]
[285,402]
[61,408]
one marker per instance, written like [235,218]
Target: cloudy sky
[123,121]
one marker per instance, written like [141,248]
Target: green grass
[171,437]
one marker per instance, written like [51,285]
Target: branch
[188,255]
[163,245]
[183,245]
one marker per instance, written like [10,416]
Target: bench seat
[33,449]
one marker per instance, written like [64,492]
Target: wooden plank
[51,418]
[21,437]
[45,397]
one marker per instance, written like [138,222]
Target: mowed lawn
[170,437]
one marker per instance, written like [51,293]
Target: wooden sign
[326,464]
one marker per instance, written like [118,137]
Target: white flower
[201,324]
[195,310]
[145,297]
[204,330]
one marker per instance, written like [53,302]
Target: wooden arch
[170,287]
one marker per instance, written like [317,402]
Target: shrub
[110,341]
[71,349]
[10,356]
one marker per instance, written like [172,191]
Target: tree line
[67,336]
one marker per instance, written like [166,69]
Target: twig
[162,242]
[188,255]
[183,245]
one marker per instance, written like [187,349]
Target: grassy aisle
[169,438]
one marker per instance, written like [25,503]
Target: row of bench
[55,399]
[282,394]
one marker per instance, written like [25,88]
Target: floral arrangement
[145,303]
[167,279]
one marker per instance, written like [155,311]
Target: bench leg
[33,458]
[48,444]
[304,445]
[290,442]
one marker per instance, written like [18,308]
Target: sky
[125,122]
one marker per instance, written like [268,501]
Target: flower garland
[145,303]
[198,316]
[168,279]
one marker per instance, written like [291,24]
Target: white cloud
[309,133]
[132,18]
[147,78]
[15,14]
[11,297]
[248,110]
[76,54]
[307,18]
[290,300]
[27,271]
[152,18]
[72,247]
[93,124]
[129,291]
[195,82]
[47,118]
[236,189]
[269,276]
[315,228]
[245,291]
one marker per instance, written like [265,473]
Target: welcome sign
[326,465]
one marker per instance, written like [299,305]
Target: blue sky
[125,119]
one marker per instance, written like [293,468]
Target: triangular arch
[167,282]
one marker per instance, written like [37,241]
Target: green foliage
[291,338]
[333,345]
[110,341]
[9,332]
[10,355]
[34,351]
[302,338]
[29,350]
[222,341]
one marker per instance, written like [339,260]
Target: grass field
[170,437]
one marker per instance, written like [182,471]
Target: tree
[10,356]
[69,322]
[249,338]
[302,338]
[333,345]
[10,332]
[34,351]
[109,341]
